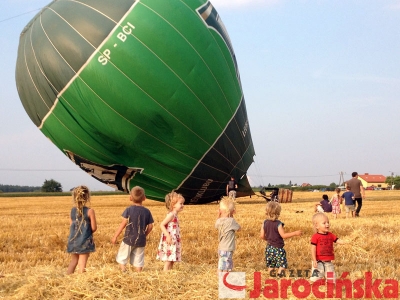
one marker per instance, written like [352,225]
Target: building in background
[370,181]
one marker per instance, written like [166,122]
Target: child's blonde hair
[273,210]
[80,196]
[227,205]
[316,217]
[137,194]
[171,199]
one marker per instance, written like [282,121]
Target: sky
[321,80]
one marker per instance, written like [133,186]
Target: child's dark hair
[80,196]
[325,197]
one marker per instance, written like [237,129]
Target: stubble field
[33,239]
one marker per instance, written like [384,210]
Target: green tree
[51,186]
[332,185]
[390,180]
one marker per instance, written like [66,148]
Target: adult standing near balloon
[231,188]
[357,188]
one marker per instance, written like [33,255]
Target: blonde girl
[83,224]
[336,201]
[169,249]
[272,231]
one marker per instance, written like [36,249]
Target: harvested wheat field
[33,261]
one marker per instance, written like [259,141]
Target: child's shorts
[324,267]
[350,208]
[275,257]
[134,254]
[225,262]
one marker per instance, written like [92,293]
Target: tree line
[5,188]
[47,187]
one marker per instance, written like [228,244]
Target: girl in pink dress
[169,249]
[336,201]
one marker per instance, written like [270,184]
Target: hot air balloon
[139,92]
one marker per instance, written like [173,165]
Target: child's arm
[119,230]
[314,255]
[341,242]
[236,225]
[149,229]
[163,227]
[285,235]
[92,218]
[219,214]
[262,233]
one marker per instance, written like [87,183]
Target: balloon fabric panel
[139,93]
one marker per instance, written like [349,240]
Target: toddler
[322,247]
[138,223]
[336,200]
[169,248]
[227,226]
[272,231]
[349,202]
[83,225]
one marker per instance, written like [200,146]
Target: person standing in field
[357,188]
[336,200]
[227,227]
[170,246]
[82,226]
[322,252]
[272,231]
[138,223]
[348,197]
[231,188]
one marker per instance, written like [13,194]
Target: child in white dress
[169,249]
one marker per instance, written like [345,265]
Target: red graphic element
[330,277]
[232,286]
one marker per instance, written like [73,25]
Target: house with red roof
[376,181]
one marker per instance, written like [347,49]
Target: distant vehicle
[370,188]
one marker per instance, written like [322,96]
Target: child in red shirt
[322,247]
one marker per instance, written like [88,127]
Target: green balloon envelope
[139,93]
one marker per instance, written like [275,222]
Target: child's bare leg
[73,263]
[138,269]
[122,267]
[83,258]
[168,265]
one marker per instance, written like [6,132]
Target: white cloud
[244,3]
